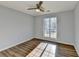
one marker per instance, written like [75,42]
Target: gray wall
[15,27]
[65,27]
[77,28]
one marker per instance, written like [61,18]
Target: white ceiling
[53,6]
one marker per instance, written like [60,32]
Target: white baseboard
[15,44]
[76,48]
[54,40]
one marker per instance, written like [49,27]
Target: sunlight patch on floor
[46,49]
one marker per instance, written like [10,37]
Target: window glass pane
[46,27]
[53,27]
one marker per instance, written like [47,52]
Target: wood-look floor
[23,49]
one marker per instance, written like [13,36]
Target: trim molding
[15,44]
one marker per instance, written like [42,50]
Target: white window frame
[49,25]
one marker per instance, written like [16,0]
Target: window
[50,27]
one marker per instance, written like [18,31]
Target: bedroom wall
[65,27]
[76,13]
[15,27]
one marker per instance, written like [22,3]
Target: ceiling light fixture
[37,10]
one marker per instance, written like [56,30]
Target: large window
[50,27]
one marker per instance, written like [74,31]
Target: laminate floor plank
[24,49]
